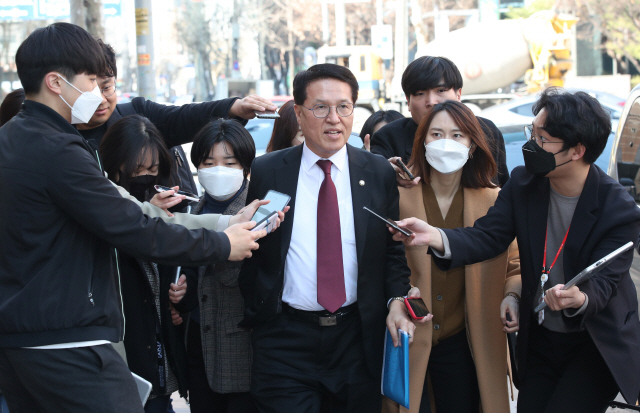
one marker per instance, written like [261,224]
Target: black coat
[605,218]
[396,139]
[382,266]
[60,221]
[141,320]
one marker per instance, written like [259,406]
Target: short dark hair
[125,146]
[227,131]
[379,116]
[284,128]
[11,105]
[60,47]
[111,70]
[427,72]
[479,169]
[575,118]
[320,72]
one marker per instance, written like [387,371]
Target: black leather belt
[322,318]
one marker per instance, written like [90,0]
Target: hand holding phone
[416,307]
[267,114]
[265,215]
[187,195]
[391,223]
[404,168]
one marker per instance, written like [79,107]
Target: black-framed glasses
[108,91]
[528,133]
[322,111]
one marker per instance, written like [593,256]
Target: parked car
[624,162]
[514,139]
[519,110]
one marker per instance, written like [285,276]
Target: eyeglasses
[108,91]
[528,133]
[322,111]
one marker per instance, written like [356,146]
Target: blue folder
[395,369]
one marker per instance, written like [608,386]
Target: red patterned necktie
[331,291]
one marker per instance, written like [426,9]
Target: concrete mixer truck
[493,55]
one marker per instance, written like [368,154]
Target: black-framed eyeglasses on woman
[322,111]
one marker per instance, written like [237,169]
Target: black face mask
[141,187]
[537,161]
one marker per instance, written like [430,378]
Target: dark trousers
[453,377]
[158,404]
[85,379]
[300,366]
[565,373]
[202,399]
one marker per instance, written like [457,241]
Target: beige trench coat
[485,286]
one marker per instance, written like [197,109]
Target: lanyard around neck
[544,259]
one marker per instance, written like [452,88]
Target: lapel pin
[361,182]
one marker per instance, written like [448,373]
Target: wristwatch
[394,299]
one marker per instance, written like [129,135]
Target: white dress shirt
[300,271]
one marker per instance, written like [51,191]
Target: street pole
[144,43]
[325,23]
[379,13]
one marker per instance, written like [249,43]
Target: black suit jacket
[396,139]
[382,266]
[605,218]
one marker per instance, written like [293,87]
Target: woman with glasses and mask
[219,352]
[135,157]
[462,353]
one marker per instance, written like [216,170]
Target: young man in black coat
[566,214]
[61,219]
[427,81]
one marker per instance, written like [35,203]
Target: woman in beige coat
[458,360]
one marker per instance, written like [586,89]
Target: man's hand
[510,305]
[246,108]
[176,319]
[246,213]
[558,299]
[177,292]
[399,319]
[423,234]
[242,240]
[401,177]
[165,200]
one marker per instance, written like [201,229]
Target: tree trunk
[88,15]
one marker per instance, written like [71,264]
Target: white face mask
[85,106]
[221,182]
[446,155]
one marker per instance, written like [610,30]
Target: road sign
[382,40]
[48,9]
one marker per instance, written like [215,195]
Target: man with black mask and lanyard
[566,213]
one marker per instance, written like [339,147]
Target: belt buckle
[328,321]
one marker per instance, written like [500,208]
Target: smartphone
[267,114]
[177,277]
[188,195]
[416,307]
[391,223]
[266,214]
[402,166]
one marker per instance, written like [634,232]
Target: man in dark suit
[427,81]
[566,214]
[316,294]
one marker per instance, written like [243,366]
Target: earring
[471,155]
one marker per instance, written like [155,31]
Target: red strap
[544,259]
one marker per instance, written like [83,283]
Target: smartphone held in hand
[267,214]
[187,195]
[404,168]
[416,307]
